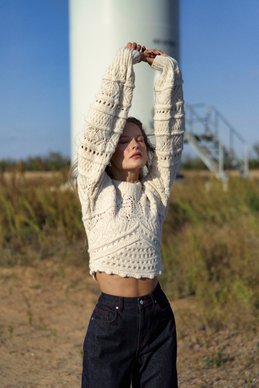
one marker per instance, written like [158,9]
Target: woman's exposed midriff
[125,286]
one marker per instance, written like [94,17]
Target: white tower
[98,28]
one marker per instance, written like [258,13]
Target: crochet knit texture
[123,221]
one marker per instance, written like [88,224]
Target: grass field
[210,246]
[210,253]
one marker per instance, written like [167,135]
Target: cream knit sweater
[123,221]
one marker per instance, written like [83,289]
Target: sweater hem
[125,274]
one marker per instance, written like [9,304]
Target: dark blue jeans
[131,340]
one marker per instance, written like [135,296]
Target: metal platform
[215,141]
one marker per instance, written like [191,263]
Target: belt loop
[121,303]
[153,299]
[155,292]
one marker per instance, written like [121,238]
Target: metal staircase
[215,141]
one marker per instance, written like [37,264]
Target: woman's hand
[138,47]
[146,55]
[150,54]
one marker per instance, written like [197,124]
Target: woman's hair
[150,147]
[150,153]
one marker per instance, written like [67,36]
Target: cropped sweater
[123,221]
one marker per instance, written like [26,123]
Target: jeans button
[141,301]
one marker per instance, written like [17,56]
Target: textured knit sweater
[123,221]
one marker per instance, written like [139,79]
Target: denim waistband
[144,300]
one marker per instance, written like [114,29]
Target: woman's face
[131,151]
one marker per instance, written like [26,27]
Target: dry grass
[211,248]
[210,245]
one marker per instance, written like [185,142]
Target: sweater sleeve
[105,120]
[168,126]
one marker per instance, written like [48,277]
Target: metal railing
[217,143]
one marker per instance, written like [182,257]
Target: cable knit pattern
[123,221]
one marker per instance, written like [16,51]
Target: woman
[131,336]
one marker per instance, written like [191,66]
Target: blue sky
[219,60]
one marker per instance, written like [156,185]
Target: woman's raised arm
[168,124]
[106,120]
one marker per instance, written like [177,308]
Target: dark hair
[150,147]
[150,153]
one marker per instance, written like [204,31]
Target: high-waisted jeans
[131,341]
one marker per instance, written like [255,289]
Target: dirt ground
[43,317]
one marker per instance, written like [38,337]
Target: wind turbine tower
[98,28]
